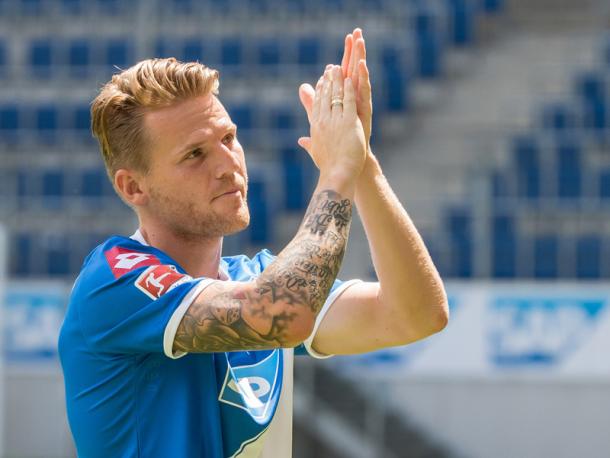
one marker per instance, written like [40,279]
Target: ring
[336,101]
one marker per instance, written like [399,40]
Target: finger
[307,95]
[353,61]
[364,83]
[347,52]
[349,98]
[325,96]
[337,89]
[315,114]
[359,55]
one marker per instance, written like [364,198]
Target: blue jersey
[128,395]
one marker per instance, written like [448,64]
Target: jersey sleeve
[337,289]
[136,310]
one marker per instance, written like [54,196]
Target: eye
[197,152]
[228,139]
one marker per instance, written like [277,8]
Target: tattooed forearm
[295,285]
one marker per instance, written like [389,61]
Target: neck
[198,257]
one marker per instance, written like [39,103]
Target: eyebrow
[230,127]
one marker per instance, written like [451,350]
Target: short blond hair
[118,110]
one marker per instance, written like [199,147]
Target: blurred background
[491,121]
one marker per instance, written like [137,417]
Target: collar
[222,272]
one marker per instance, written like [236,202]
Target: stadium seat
[504,246]
[231,55]
[429,47]
[118,54]
[499,185]
[3,59]
[40,57]
[73,7]
[21,254]
[9,124]
[192,50]
[526,161]
[545,256]
[79,55]
[492,6]
[111,7]
[604,184]
[53,183]
[57,253]
[569,163]
[33,7]
[559,117]
[242,115]
[589,256]
[268,56]
[46,123]
[458,223]
[298,173]
[463,16]
[81,119]
[282,118]
[259,210]
[308,52]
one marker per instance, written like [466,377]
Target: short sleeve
[337,289]
[138,311]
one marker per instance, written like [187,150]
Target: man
[169,350]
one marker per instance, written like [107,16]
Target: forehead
[186,121]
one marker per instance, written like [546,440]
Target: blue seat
[3,59]
[242,115]
[21,253]
[428,43]
[57,253]
[95,187]
[46,123]
[493,6]
[268,53]
[569,173]
[604,184]
[526,151]
[589,256]
[118,53]
[259,210]
[40,57]
[81,119]
[282,118]
[499,185]
[182,6]
[192,50]
[111,7]
[396,90]
[308,52]
[231,55]
[458,223]
[463,16]
[504,247]
[546,248]
[9,118]
[298,172]
[33,7]
[558,116]
[79,52]
[73,7]
[53,182]
[591,86]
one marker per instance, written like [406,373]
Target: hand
[338,146]
[353,66]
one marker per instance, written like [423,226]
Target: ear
[129,185]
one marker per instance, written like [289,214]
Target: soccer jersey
[129,395]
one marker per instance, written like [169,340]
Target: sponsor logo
[123,260]
[540,331]
[158,280]
[254,386]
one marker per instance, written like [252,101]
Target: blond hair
[118,110]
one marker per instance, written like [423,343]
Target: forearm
[409,281]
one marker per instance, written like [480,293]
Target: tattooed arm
[279,308]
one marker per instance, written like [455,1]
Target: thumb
[307,94]
[305,143]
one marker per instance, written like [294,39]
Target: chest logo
[254,387]
[121,260]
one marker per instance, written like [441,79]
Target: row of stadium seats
[222,8]
[416,48]
[560,169]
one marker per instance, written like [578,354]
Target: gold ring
[336,101]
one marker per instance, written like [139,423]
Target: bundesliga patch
[254,386]
[124,260]
[158,280]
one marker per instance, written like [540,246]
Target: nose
[228,162]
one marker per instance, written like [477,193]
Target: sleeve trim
[172,325]
[329,301]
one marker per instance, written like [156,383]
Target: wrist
[340,181]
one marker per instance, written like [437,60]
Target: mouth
[233,192]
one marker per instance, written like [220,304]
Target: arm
[409,302]
[279,308]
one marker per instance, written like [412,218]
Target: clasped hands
[339,111]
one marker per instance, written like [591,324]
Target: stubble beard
[192,224]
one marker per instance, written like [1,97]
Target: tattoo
[299,280]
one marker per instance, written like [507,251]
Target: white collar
[138,237]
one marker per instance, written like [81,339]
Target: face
[197,179]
